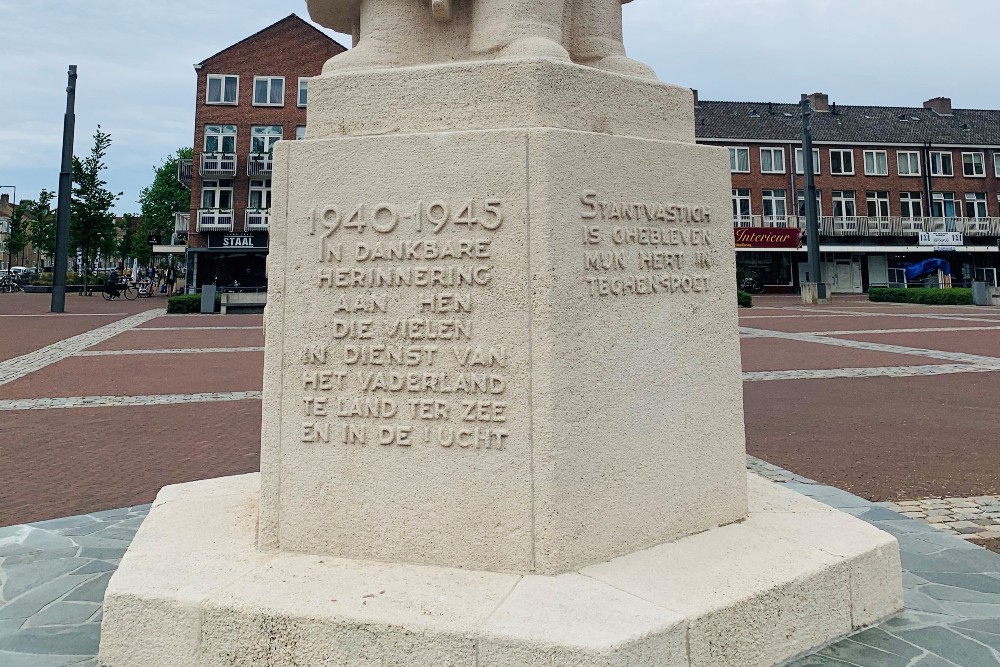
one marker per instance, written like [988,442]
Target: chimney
[820,101]
[4,202]
[939,105]
[694,91]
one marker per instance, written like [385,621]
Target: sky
[136,77]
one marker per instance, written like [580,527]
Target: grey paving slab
[952,590]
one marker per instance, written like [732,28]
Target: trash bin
[980,293]
[208,299]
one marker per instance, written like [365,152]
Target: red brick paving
[205,321]
[39,304]
[853,323]
[986,343]
[21,335]
[164,340]
[882,438]
[142,374]
[66,462]
[768,354]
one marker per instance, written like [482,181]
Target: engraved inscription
[399,364]
[644,248]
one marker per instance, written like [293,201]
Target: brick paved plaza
[884,411]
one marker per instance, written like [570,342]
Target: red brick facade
[291,48]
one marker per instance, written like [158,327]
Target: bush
[924,295]
[189,303]
[744,299]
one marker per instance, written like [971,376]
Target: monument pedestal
[194,590]
[502,406]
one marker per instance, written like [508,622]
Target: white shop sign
[941,238]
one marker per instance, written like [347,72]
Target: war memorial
[503,418]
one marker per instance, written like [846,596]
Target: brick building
[249,96]
[895,185]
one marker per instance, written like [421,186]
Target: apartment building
[249,96]
[894,185]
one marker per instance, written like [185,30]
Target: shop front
[231,261]
[767,256]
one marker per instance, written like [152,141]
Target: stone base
[810,294]
[193,590]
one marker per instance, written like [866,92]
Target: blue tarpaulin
[926,266]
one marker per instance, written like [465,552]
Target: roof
[291,18]
[777,121]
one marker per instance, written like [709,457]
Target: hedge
[957,296]
[744,299]
[189,303]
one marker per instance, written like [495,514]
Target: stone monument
[502,397]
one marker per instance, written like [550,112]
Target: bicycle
[8,285]
[124,289]
[752,285]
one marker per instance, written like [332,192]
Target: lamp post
[65,195]
[812,220]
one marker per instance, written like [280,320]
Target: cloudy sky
[137,82]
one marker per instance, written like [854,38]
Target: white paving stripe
[121,401]
[882,371]
[179,350]
[892,331]
[18,367]
[257,328]
[957,317]
[960,357]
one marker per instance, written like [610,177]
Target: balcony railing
[182,223]
[218,165]
[257,219]
[185,171]
[260,164]
[869,226]
[215,220]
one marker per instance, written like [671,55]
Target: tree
[42,230]
[92,228]
[160,201]
[17,236]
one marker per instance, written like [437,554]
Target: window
[263,138]
[741,205]
[941,164]
[841,162]
[996,164]
[878,204]
[843,204]
[303,92]
[217,194]
[774,205]
[974,165]
[260,195]
[300,132]
[876,163]
[943,205]
[739,160]
[269,91]
[799,161]
[908,163]
[911,205]
[975,205]
[222,89]
[802,204]
[772,160]
[220,138]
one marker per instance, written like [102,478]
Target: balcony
[215,220]
[218,165]
[257,219]
[182,223]
[260,165]
[185,172]
[876,226]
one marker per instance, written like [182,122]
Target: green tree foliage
[42,230]
[17,237]
[92,228]
[160,201]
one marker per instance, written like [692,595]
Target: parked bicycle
[8,284]
[751,284]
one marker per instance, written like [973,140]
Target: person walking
[171,280]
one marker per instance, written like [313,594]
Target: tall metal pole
[812,217]
[65,192]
